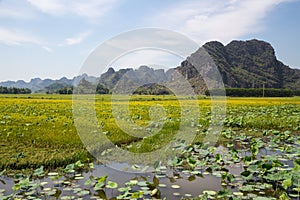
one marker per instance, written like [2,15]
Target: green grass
[39,129]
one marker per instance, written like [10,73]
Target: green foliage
[84,88]
[101,89]
[14,90]
[251,92]
[65,90]
[153,89]
[296,92]
[59,88]
[111,185]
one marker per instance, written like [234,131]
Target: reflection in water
[170,183]
[188,185]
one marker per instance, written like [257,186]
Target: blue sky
[52,38]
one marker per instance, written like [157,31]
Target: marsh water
[188,185]
[170,183]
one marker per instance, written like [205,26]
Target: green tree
[101,89]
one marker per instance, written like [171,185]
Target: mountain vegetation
[153,89]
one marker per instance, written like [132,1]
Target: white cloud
[216,19]
[154,58]
[16,37]
[94,8]
[17,13]
[48,49]
[133,42]
[152,38]
[49,6]
[85,8]
[20,37]
[76,39]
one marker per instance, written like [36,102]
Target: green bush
[251,92]
[14,90]
[296,92]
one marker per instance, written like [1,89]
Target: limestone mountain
[245,64]
[125,80]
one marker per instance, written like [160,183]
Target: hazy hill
[39,85]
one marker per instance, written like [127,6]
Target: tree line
[14,90]
[253,92]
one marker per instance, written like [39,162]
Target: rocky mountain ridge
[242,64]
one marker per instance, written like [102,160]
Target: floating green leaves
[287,183]
[111,185]
[100,183]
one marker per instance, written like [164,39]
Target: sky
[53,38]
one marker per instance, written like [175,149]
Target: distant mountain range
[242,64]
[39,85]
